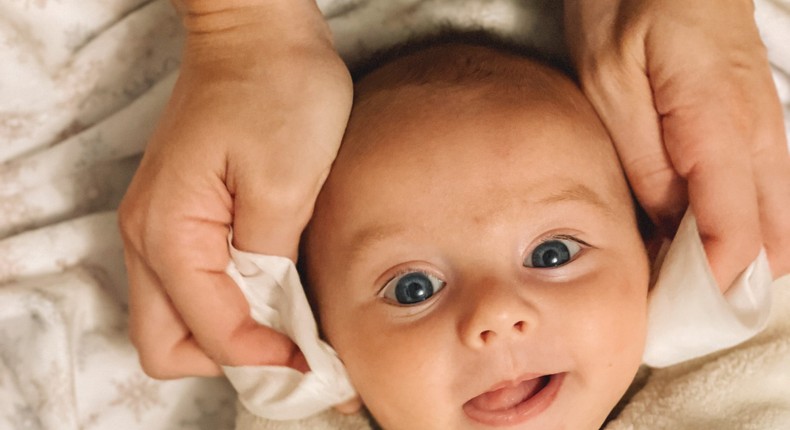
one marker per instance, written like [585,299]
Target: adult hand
[686,93]
[247,139]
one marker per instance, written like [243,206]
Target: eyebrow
[575,192]
[579,193]
[368,237]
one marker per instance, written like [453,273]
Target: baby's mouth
[515,402]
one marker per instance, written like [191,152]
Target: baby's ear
[350,407]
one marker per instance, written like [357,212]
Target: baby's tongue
[508,397]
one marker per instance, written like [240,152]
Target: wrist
[280,20]
[244,39]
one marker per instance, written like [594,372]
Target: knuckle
[600,73]
[153,361]
[651,172]
[158,373]
[737,252]
[129,221]
[156,366]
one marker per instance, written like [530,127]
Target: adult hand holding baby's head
[247,139]
[686,92]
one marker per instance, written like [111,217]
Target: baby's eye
[553,253]
[412,288]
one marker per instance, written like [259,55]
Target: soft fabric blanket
[81,85]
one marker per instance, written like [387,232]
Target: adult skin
[685,93]
[685,90]
[251,68]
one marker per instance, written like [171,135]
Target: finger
[164,343]
[193,274]
[270,214]
[773,184]
[256,228]
[623,97]
[771,165]
[708,148]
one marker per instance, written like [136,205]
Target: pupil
[551,257]
[413,288]
[551,254]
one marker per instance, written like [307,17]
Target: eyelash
[583,245]
[561,236]
[403,272]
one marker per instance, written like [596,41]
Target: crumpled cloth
[277,299]
[688,316]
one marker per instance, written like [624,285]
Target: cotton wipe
[277,300]
[688,316]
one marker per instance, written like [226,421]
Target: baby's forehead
[423,131]
[417,139]
[494,115]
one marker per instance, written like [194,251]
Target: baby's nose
[490,335]
[496,314]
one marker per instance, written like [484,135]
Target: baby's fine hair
[455,69]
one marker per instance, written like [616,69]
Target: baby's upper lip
[511,382]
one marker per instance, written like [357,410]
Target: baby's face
[476,260]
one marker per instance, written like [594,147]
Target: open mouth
[514,403]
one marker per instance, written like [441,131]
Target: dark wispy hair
[448,35]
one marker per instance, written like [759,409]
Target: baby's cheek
[607,325]
[394,369]
[622,332]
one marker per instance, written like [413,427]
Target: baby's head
[474,255]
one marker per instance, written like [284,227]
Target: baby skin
[474,255]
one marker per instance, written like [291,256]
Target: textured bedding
[81,85]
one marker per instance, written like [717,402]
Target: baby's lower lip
[498,408]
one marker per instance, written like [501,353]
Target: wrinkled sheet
[81,84]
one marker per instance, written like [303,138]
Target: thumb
[270,211]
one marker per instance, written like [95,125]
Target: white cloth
[277,300]
[688,316]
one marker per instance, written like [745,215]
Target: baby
[474,256]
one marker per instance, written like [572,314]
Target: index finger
[710,150]
[164,343]
[192,271]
